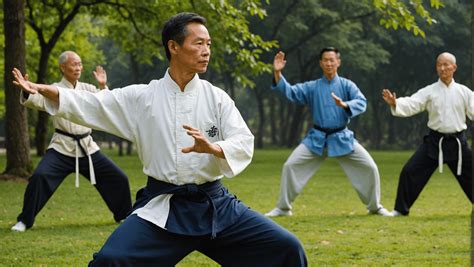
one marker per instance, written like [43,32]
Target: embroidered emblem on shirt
[213,131]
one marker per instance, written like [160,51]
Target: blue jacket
[326,114]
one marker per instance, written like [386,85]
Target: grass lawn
[328,218]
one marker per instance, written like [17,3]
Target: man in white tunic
[189,134]
[448,103]
[72,149]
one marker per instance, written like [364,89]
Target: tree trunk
[41,131]
[295,129]
[273,121]
[285,115]
[120,146]
[129,148]
[16,126]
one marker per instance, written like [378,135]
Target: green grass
[328,218]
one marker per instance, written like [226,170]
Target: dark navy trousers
[253,240]
[112,184]
[419,168]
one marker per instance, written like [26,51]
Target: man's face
[72,68]
[445,68]
[329,63]
[194,54]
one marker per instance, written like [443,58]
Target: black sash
[76,137]
[329,131]
[450,145]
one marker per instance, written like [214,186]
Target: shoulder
[211,88]
[462,87]
[214,91]
[347,82]
[87,87]
[430,87]
[464,90]
[141,87]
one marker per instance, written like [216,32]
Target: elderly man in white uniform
[189,134]
[448,103]
[72,149]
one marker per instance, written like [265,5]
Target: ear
[61,68]
[173,47]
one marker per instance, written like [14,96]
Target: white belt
[440,156]
[91,166]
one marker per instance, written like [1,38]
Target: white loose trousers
[359,167]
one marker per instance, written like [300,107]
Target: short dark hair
[175,28]
[329,49]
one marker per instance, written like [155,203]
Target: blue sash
[195,210]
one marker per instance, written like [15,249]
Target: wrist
[217,151]
[276,76]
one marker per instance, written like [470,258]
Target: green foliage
[399,14]
[79,36]
[329,218]
[235,48]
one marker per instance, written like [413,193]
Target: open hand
[101,76]
[338,101]
[279,61]
[389,97]
[23,83]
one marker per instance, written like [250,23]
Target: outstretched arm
[201,144]
[101,76]
[48,91]
[389,97]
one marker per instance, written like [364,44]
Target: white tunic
[447,106]
[65,144]
[152,117]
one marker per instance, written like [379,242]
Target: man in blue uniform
[332,101]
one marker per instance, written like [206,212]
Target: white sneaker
[19,227]
[396,213]
[382,212]
[278,212]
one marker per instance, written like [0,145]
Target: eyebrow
[202,39]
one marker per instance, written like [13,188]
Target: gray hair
[447,55]
[64,56]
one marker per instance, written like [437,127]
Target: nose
[206,51]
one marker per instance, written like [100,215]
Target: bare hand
[201,144]
[279,61]
[389,97]
[101,76]
[338,101]
[23,83]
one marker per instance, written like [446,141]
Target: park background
[383,44]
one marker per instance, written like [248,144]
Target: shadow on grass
[64,227]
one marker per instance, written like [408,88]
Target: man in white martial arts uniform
[72,149]
[448,103]
[189,134]
[332,101]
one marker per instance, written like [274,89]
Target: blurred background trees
[383,44]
